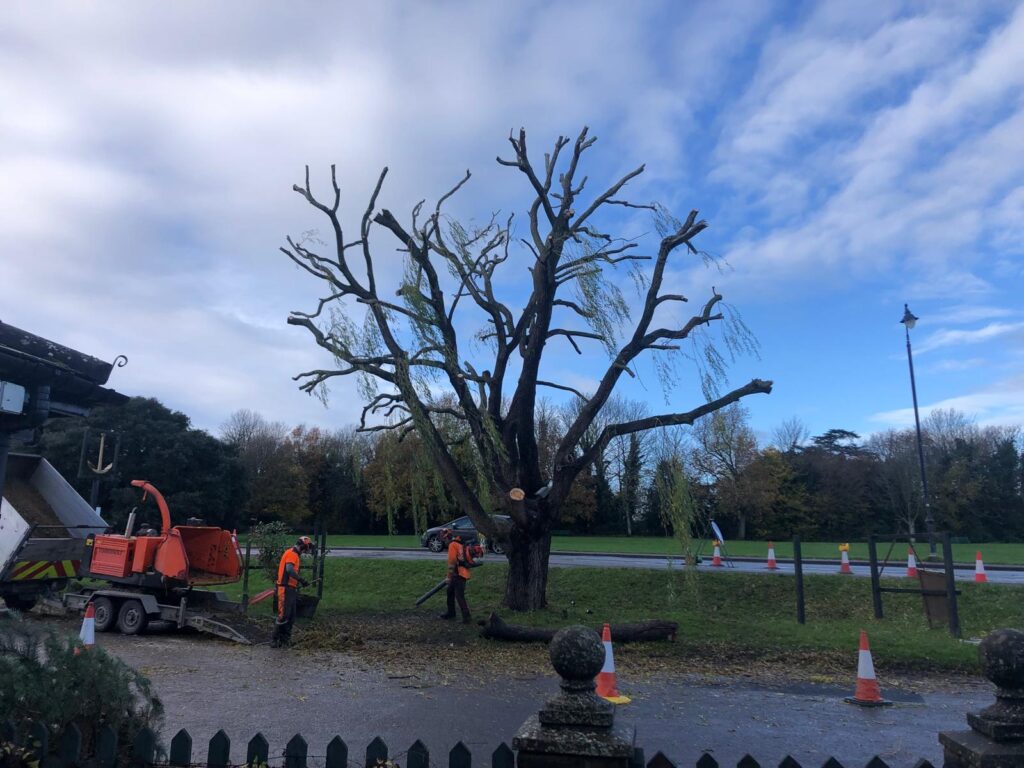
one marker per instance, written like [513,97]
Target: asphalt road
[207,685]
[563,560]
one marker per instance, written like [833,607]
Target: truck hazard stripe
[28,570]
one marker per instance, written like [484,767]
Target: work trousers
[287,599]
[457,591]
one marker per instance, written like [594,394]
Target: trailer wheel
[132,618]
[21,603]
[106,614]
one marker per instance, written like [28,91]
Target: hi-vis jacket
[457,559]
[284,578]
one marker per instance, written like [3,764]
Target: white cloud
[949,338]
[146,170]
[145,175]
[968,313]
[999,404]
[955,365]
[812,78]
[929,178]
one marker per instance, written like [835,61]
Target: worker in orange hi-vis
[288,581]
[460,560]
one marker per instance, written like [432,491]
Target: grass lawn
[660,545]
[723,617]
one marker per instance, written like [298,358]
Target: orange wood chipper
[179,556]
[154,575]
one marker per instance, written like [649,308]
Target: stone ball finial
[1002,658]
[577,653]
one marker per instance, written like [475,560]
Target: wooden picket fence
[67,752]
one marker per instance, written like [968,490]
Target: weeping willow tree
[411,342]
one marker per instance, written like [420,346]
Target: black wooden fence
[67,752]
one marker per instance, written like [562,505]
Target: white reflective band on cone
[609,659]
[865,667]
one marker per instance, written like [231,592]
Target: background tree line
[829,486]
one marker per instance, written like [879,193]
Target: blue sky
[849,157]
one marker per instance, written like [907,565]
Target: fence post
[798,569]
[576,728]
[996,737]
[337,753]
[503,757]
[947,558]
[295,752]
[376,752]
[39,740]
[876,594]
[181,749]
[258,750]
[245,571]
[460,757]
[106,747]
[218,754]
[70,745]
[418,756]
[144,747]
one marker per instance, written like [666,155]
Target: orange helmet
[305,544]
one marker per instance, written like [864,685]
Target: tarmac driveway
[207,685]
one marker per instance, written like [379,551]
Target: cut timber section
[657,629]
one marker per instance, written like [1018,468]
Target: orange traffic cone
[88,632]
[772,565]
[716,557]
[867,693]
[607,687]
[911,564]
[844,565]
[979,569]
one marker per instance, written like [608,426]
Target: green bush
[42,678]
[13,756]
[271,539]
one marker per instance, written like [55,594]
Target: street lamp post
[909,321]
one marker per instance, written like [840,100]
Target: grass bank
[993,552]
[725,618]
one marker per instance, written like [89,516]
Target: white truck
[43,527]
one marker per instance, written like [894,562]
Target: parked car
[431,538]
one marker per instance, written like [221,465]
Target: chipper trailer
[158,576]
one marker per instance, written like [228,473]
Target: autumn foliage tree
[410,342]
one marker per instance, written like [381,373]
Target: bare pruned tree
[790,434]
[409,344]
[900,475]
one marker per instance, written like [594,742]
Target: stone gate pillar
[996,738]
[576,728]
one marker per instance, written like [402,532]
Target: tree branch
[551,384]
[755,386]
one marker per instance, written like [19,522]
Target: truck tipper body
[44,524]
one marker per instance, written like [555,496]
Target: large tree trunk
[527,581]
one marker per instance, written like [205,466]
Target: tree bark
[656,629]
[527,582]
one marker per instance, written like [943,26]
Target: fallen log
[496,628]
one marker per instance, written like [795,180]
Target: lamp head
[909,318]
